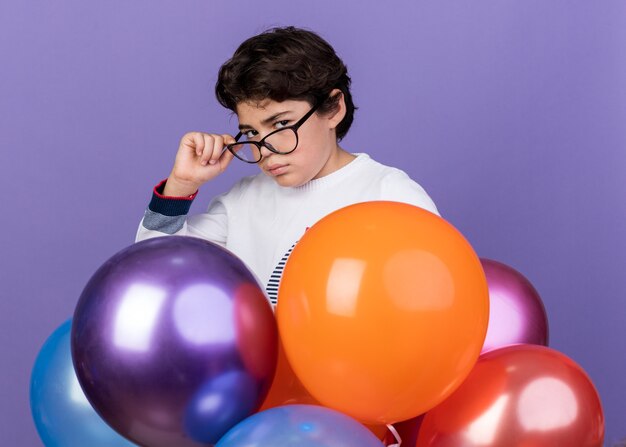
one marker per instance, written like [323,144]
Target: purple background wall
[510,113]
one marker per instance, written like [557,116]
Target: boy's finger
[218,145]
[228,139]
[198,143]
[208,149]
[225,159]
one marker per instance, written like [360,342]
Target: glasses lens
[246,151]
[282,141]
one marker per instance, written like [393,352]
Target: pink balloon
[522,395]
[516,312]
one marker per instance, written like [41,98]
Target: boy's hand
[200,158]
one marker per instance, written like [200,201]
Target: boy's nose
[265,152]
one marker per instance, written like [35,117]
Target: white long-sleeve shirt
[260,221]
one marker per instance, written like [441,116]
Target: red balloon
[407,431]
[522,395]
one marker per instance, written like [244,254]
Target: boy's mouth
[276,169]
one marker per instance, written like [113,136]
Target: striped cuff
[167,205]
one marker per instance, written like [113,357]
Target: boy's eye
[281,124]
[249,134]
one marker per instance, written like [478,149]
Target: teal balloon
[299,426]
[62,414]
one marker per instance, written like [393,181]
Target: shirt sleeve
[169,216]
[397,186]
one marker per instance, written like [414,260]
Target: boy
[291,94]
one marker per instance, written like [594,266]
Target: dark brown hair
[286,63]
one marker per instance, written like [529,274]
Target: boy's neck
[336,161]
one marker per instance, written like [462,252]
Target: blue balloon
[299,426]
[219,405]
[62,414]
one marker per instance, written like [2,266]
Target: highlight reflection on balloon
[62,414]
[382,310]
[516,312]
[301,426]
[518,395]
[174,342]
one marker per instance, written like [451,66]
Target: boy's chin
[287,181]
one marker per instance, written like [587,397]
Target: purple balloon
[516,312]
[174,342]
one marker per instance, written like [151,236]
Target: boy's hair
[286,63]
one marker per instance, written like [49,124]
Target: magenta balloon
[174,342]
[516,312]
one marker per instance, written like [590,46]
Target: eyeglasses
[281,141]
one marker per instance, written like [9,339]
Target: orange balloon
[287,389]
[382,310]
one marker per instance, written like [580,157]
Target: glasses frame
[261,144]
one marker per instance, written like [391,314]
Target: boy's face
[317,150]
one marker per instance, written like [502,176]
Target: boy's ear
[334,118]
